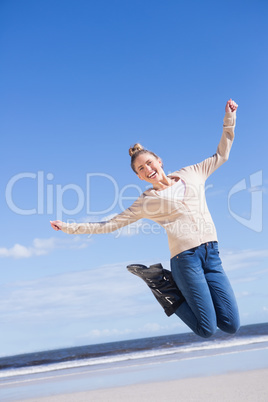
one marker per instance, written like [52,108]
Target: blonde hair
[137,150]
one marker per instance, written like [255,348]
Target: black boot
[161,283]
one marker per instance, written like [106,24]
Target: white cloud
[17,251]
[134,332]
[76,295]
[42,247]
[106,333]
[240,259]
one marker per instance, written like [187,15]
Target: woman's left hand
[231,106]
[56,225]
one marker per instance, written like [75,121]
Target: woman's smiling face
[149,168]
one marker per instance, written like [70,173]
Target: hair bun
[136,148]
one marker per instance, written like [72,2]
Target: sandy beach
[237,386]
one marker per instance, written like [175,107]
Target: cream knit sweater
[188,223]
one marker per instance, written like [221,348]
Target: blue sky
[81,81]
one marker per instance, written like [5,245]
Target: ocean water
[95,357]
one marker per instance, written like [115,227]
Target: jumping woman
[196,289]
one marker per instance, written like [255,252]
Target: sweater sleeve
[209,165]
[130,215]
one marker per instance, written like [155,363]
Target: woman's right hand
[56,225]
[231,106]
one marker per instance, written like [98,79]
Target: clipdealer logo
[255,221]
[50,196]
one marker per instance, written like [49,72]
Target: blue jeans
[209,299]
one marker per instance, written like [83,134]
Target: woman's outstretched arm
[130,215]
[209,165]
